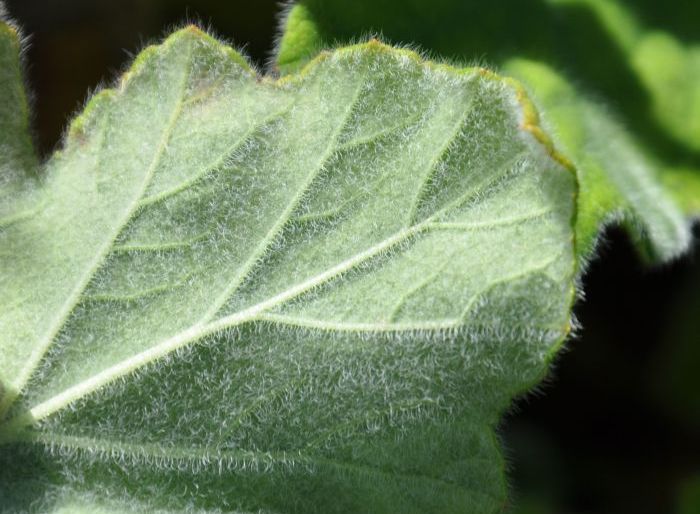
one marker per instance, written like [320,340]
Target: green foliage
[228,293]
[18,162]
[649,76]
[310,295]
[617,183]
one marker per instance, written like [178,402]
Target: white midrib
[203,329]
[205,325]
[257,312]
[40,349]
[208,326]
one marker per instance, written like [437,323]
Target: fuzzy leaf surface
[317,294]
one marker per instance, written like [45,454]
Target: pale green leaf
[317,294]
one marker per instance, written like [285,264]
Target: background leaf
[17,161]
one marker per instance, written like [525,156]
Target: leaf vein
[73,299]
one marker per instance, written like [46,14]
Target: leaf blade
[384,377]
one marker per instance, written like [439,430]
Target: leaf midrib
[203,329]
[206,326]
[256,312]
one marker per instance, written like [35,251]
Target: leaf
[668,69]
[17,160]
[669,72]
[629,176]
[316,294]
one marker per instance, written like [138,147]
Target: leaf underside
[318,294]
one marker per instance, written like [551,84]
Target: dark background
[616,427]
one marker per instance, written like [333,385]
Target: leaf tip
[78,128]
[194,29]
[188,33]
[192,33]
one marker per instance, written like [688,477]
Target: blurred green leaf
[18,162]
